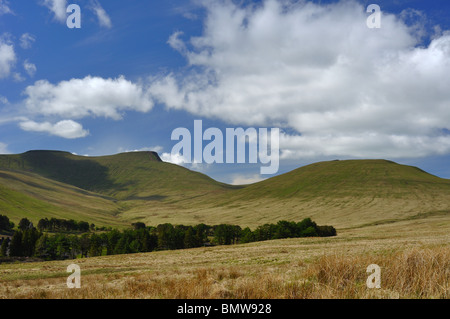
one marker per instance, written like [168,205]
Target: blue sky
[137,70]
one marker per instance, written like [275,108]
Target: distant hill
[346,193]
[132,175]
[25,194]
[356,178]
[40,184]
[138,186]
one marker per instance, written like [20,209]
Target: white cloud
[4,7]
[58,8]
[90,96]
[4,148]
[176,43]
[344,88]
[26,41]
[7,58]
[66,128]
[103,18]
[30,68]
[180,160]
[3,100]
[369,145]
[246,179]
[177,159]
[18,77]
[156,149]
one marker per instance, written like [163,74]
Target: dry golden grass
[413,265]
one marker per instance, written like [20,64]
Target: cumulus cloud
[174,158]
[58,8]
[7,58]
[4,7]
[90,96]
[30,68]
[103,18]
[317,69]
[67,128]
[246,179]
[26,41]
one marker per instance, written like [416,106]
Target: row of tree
[29,241]
[58,225]
[286,229]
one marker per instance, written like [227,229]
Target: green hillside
[123,176]
[138,186]
[24,194]
[356,178]
[345,193]
[84,187]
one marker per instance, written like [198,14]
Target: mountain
[119,189]
[25,194]
[122,176]
[346,193]
[96,189]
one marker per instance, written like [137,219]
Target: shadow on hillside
[83,173]
[9,176]
[147,198]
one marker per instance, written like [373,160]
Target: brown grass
[284,269]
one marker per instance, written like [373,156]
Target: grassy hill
[138,186]
[376,178]
[122,176]
[40,184]
[344,193]
[24,194]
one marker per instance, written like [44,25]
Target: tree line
[58,225]
[29,241]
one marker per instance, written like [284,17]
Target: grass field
[414,261]
[392,215]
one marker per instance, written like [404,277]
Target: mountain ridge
[139,186]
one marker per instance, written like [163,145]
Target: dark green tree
[95,247]
[309,232]
[165,236]
[25,224]
[113,238]
[29,239]
[43,224]
[15,247]
[247,236]
[5,223]
[138,225]
[43,248]
[85,245]
[190,239]
[4,247]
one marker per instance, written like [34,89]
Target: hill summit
[138,186]
[122,175]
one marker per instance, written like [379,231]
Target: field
[414,257]
[392,215]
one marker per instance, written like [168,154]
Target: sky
[134,71]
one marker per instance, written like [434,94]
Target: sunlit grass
[412,266]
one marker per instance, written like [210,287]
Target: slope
[133,175]
[88,186]
[343,193]
[138,186]
[28,195]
